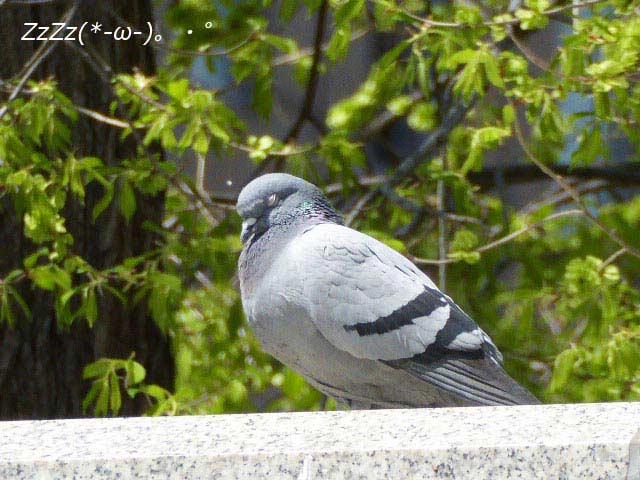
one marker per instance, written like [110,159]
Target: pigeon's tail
[476,381]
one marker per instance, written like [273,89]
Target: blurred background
[493,143]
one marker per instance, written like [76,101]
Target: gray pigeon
[356,318]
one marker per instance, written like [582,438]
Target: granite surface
[588,441]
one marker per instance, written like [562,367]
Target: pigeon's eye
[272,200]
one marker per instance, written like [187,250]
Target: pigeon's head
[280,199]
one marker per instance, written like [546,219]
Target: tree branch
[312,84]
[492,23]
[452,118]
[576,197]
[502,240]
[620,173]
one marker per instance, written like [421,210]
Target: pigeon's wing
[372,302]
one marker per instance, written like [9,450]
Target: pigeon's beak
[247,229]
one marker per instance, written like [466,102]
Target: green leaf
[349,10]
[463,56]
[178,89]
[90,307]
[499,32]
[538,5]
[168,138]
[97,369]
[115,399]
[127,200]
[463,240]
[339,43]
[136,372]
[400,105]
[102,204]
[423,117]
[286,45]
[288,8]
[154,391]
[492,69]
[95,389]
[563,369]
[201,143]
[262,100]
[508,115]
[17,298]
[591,146]
[531,20]
[312,5]
[483,139]
[102,402]
[48,277]
[602,104]
[237,391]
[605,68]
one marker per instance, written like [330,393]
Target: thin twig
[367,181]
[502,240]
[612,258]
[38,57]
[541,63]
[201,164]
[101,117]
[310,92]
[561,197]
[358,207]
[454,217]
[529,55]
[442,228]
[513,21]
[286,151]
[305,52]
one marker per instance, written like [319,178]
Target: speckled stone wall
[590,441]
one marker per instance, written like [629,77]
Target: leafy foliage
[563,309]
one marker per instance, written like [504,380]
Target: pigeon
[356,318]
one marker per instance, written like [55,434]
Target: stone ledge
[526,442]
